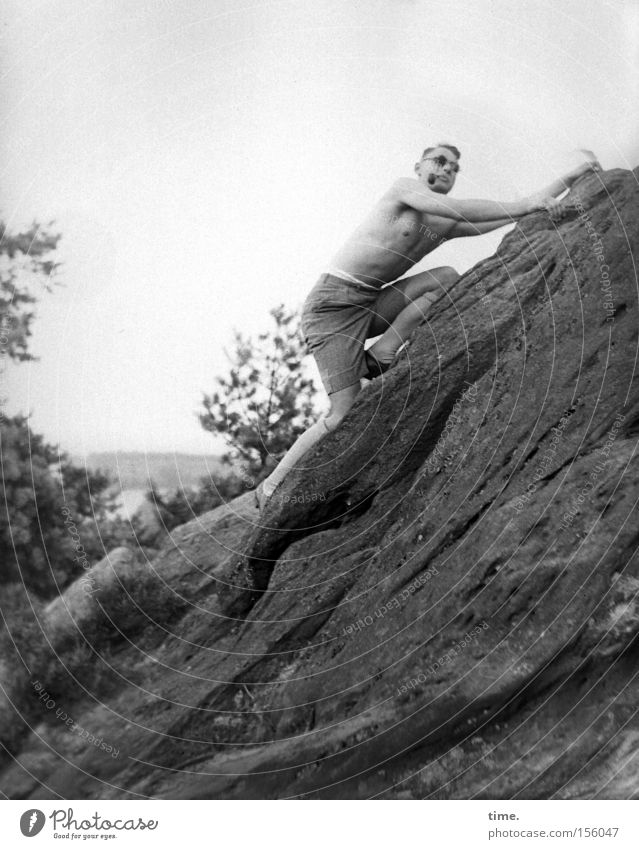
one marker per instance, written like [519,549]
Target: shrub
[22,653]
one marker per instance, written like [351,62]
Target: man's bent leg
[403,306]
[341,402]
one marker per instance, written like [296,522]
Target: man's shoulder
[403,184]
[405,190]
[409,181]
[392,200]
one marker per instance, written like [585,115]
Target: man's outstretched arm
[559,186]
[465,228]
[415,194]
[548,196]
[544,199]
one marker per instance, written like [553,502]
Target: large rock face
[444,603]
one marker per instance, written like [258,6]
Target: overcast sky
[204,159]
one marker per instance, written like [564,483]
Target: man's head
[438,167]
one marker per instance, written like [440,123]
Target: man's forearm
[560,185]
[557,186]
[413,194]
[478,228]
[478,211]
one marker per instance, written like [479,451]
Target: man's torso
[390,241]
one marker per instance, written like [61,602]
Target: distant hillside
[168,471]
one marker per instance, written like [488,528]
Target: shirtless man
[357,299]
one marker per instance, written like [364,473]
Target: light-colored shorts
[335,322]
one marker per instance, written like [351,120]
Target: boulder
[116,597]
[443,603]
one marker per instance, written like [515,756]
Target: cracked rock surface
[444,603]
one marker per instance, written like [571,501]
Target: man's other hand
[592,165]
[555,208]
[542,202]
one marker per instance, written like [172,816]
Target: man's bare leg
[403,306]
[399,310]
[341,402]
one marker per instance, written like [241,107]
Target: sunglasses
[441,161]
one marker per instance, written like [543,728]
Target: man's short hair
[454,150]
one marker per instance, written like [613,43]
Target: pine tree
[27,264]
[266,401]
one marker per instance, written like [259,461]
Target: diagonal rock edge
[474,352]
[327,712]
[258,544]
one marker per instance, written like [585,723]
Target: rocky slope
[444,603]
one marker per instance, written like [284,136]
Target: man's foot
[375,367]
[261,498]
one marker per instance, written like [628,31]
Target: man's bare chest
[420,231]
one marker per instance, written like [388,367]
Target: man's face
[443,176]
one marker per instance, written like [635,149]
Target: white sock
[298,449]
[268,488]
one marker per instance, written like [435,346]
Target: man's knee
[429,288]
[332,420]
[448,276]
[426,299]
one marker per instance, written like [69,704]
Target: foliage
[55,517]
[21,616]
[266,401]
[260,408]
[22,652]
[26,261]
